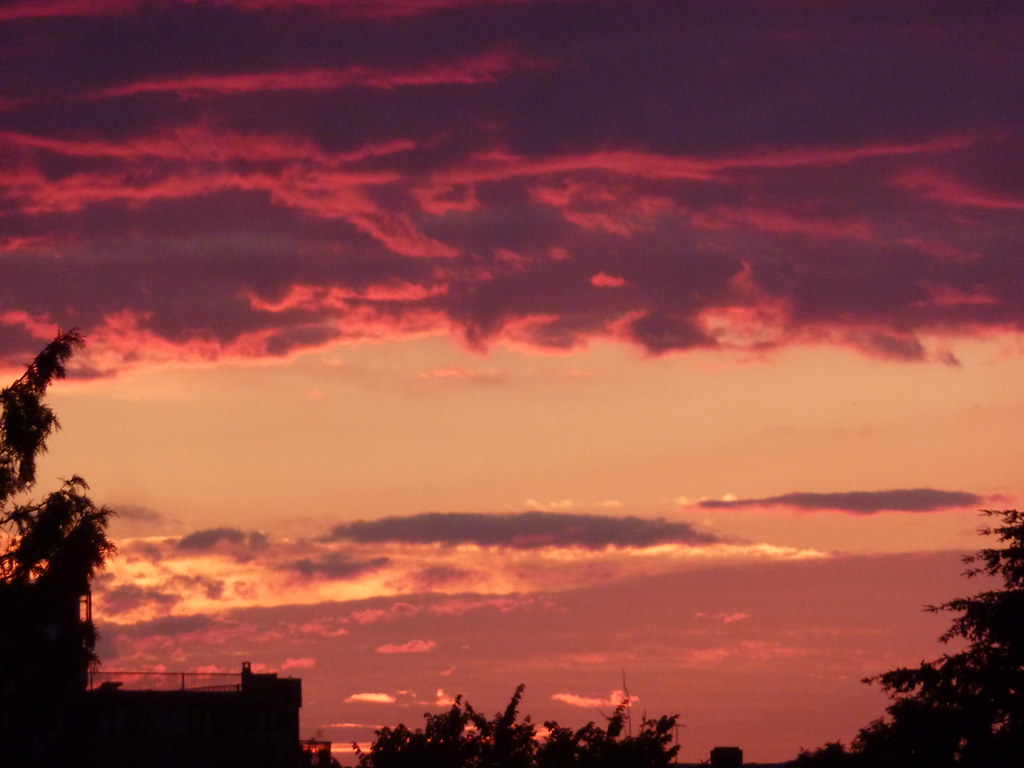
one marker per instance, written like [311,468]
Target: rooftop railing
[165,681]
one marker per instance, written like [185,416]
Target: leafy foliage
[25,421]
[61,541]
[464,738]
[50,549]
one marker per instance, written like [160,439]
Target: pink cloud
[302,662]
[395,611]
[725,618]
[40,9]
[324,627]
[398,233]
[948,296]
[617,209]
[460,606]
[370,616]
[313,297]
[501,164]
[39,327]
[13,244]
[201,141]
[603,280]
[781,222]
[948,189]
[413,646]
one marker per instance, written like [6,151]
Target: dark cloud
[524,530]
[211,537]
[208,586]
[139,514]
[438,576]
[141,550]
[167,625]
[129,597]
[753,175]
[334,565]
[862,502]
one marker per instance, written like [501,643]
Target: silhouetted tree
[594,747]
[49,551]
[964,709]
[832,755]
[464,738]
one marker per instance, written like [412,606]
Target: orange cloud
[372,698]
[614,699]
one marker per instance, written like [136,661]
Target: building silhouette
[246,720]
[57,711]
[727,757]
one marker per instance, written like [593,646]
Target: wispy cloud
[860,502]
[483,69]
[525,530]
[334,565]
[301,662]
[413,646]
[211,537]
[614,699]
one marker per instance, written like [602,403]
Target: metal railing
[165,681]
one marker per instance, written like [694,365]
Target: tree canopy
[464,738]
[964,709]
[49,551]
[60,541]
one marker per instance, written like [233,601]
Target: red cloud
[41,9]
[601,280]
[481,69]
[947,189]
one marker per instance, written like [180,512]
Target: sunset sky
[438,346]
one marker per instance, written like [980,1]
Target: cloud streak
[209,538]
[524,530]
[860,502]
